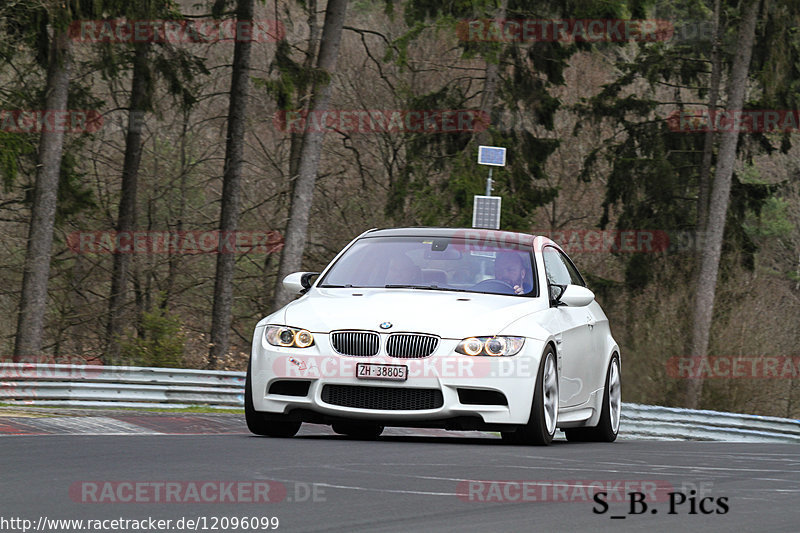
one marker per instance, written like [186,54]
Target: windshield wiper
[409,286]
[397,286]
[423,287]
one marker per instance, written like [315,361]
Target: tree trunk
[175,258]
[126,219]
[490,84]
[33,300]
[708,147]
[303,194]
[296,138]
[718,209]
[231,184]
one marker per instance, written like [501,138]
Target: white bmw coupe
[434,327]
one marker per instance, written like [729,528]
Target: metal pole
[489,183]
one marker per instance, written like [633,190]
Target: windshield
[453,264]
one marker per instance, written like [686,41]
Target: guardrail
[686,424]
[108,386]
[93,386]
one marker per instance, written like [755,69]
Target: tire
[608,428]
[262,424]
[358,430]
[542,423]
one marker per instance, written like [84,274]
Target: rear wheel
[608,427]
[358,430]
[261,423]
[541,426]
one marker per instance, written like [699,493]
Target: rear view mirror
[448,254]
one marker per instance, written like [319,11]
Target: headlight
[288,337]
[491,346]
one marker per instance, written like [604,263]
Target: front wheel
[541,426]
[608,427]
[260,423]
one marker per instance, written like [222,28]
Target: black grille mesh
[383,398]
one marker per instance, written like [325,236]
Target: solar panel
[492,155]
[486,212]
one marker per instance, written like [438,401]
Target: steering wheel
[506,287]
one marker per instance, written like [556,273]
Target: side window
[554,267]
[574,276]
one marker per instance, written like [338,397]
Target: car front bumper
[489,391]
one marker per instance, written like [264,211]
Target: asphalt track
[408,480]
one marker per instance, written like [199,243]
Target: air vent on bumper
[289,387]
[382,398]
[481,397]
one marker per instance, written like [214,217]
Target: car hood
[447,314]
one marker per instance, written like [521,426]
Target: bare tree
[720,197]
[33,301]
[231,185]
[303,194]
[126,220]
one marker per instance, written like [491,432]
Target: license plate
[387,372]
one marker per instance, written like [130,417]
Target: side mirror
[299,282]
[576,296]
[555,294]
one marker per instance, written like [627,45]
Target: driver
[509,268]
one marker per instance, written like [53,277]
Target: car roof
[466,233]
